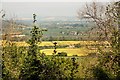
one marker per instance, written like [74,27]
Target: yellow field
[70,52]
[67,43]
[83,51]
[49,43]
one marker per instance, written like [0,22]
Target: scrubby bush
[62,54]
[13,59]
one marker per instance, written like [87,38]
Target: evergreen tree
[32,66]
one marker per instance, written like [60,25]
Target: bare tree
[108,24]
[2,13]
[100,14]
[9,28]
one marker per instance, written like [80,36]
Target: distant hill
[58,27]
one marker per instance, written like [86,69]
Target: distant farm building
[17,36]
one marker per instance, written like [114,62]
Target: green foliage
[108,65]
[109,62]
[77,45]
[100,74]
[74,68]
[38,66]
[32,66]
[62,54]
[13,59]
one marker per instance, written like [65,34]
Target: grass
[85,64]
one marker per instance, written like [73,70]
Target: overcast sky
[56,0]
[24,9]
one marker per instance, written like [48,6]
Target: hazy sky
[25,9]
[56,0]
